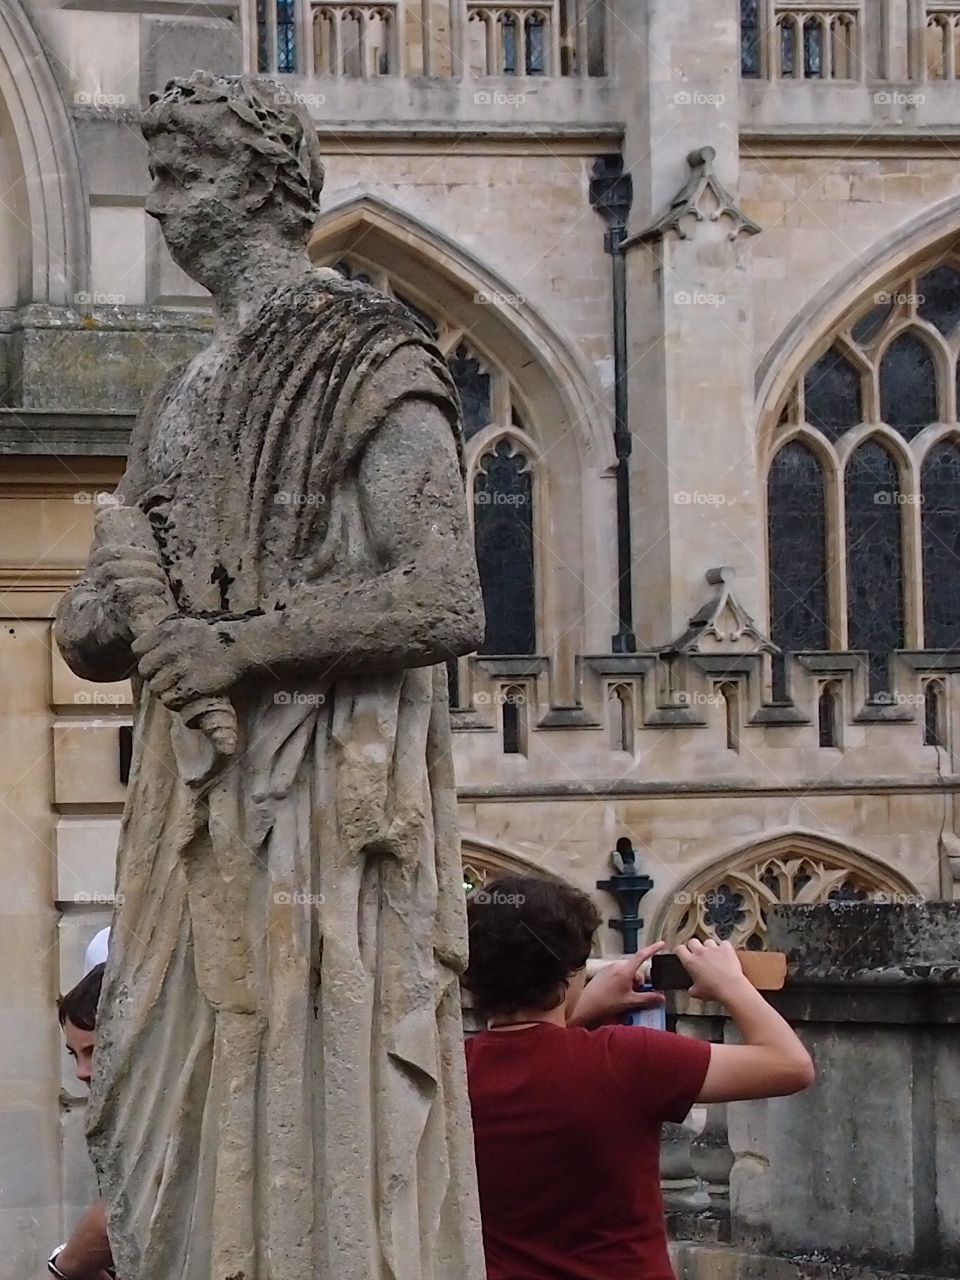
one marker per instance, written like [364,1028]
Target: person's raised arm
[772,1062]
[86,1255]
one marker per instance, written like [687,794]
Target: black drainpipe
[611,194]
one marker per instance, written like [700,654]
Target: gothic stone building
[696,270]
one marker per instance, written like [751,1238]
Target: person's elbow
[795,1074]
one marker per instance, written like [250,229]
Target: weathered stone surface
[280,1060]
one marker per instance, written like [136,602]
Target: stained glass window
[508,32]
[908,385]
[787,47]
[869,325]
[535,52]
[813,49]
[473,383]
[749,38]
[724,911]
[263,37]
[503,523]
[940,524]
[832,394]
[874,559]
[938,298]
[286,35]
[796,513]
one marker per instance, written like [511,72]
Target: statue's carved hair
[261,115]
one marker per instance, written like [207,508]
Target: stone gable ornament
[280,1090]
[722,625]
[702,196]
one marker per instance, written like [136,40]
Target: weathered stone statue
[280,1092]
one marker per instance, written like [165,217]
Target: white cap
[96,950]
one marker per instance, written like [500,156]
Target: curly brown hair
[528,936]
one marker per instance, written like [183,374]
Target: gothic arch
[931,234]
[57,232]
[451,278]
[483,860]
[731,896]
[551,388]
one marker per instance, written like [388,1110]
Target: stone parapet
[857,1177]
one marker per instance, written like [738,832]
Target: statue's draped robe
[280,1091]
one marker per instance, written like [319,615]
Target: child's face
[80,1045]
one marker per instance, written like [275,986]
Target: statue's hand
[183,659]
[133,583]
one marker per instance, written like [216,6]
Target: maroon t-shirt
[567,1129]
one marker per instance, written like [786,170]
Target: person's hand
[185,658]
[714,966]
[612,991]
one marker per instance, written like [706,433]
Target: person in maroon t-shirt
[567,1110]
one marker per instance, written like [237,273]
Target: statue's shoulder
[324,295]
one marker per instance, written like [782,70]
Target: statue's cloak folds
[280,1090]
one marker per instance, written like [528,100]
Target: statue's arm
[90,626]
[422,606]
[425,604]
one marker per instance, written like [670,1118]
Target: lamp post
[629,886]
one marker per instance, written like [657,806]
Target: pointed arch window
[874,558]
[502,472]
[277,25]
[833,394]
[844,503]
[940,526]
[908,385]
[474,384]
[796,515]
[830,714]
[934,714]
[503,520]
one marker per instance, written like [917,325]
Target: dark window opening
[829,715]
[874,559]
[908,385]
[474,385]
[503,526]
[832,394]
[797,524]
[934,720]
[940,539]
[750,46]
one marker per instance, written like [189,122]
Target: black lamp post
[629,886]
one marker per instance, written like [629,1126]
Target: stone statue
[280,1091]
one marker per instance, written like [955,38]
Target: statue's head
[234,160]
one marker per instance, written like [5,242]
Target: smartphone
[655,1017]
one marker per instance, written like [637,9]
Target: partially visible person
[567,1119]
[96,952]
[86,1255]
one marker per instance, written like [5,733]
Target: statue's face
[197,197]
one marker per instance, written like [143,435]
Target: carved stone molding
[731,899]
[703,196]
